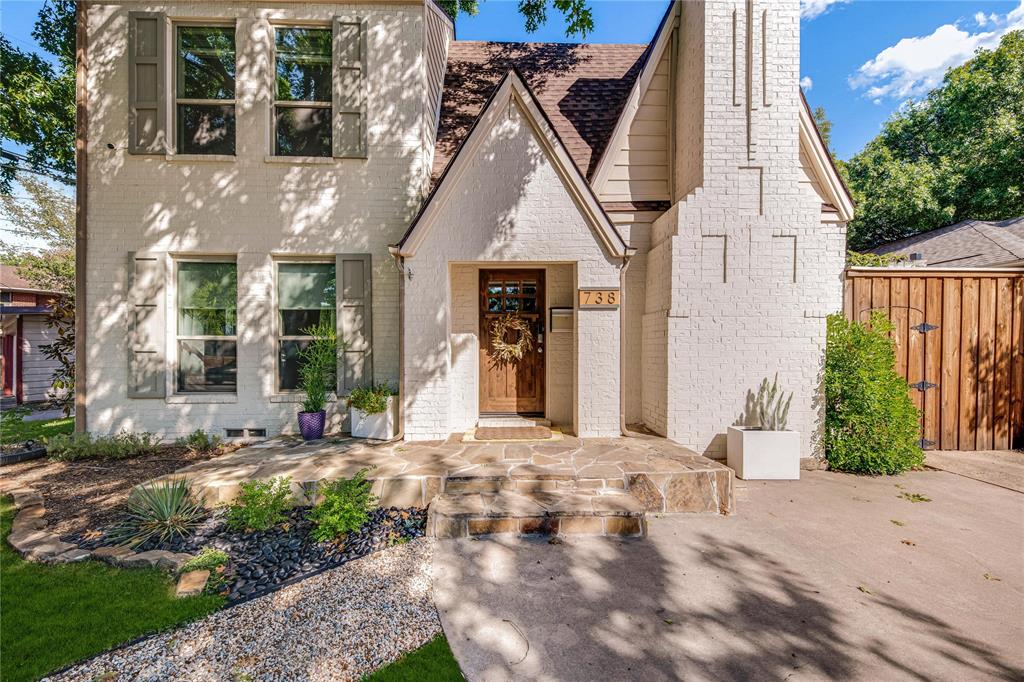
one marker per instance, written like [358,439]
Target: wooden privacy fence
[959,338]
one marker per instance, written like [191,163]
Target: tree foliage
[47,215]
[956,154]
[37,97]
[579,18]
[824,127]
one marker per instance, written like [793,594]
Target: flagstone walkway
[575,477]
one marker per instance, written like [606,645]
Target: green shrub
[874,260]
[871,424]
[199,441]
[208,559]
[75,446]
[260,504]
[164,510]
[344,508]
[318,365]
[370,399]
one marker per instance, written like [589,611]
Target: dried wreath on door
[503,351]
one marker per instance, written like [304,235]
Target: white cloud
[980,18]
[915,65]
[809,9]
[806,83]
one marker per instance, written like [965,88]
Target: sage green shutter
[349,85]
[146,323]
[147,110]
[355,320]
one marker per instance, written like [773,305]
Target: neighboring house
[27,373]
[664,216]
[967,244]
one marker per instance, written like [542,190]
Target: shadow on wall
[714,610]
[227,206]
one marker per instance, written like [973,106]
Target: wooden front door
[512,387]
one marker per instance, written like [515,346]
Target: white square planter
[380,426]
[755,454]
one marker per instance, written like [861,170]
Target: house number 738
[589,298]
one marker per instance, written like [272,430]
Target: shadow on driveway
[811,580]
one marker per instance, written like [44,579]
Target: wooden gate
[959,338]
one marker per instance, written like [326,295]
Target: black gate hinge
[924,327]
[923,386]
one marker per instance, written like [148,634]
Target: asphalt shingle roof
[582,89]
[971,243]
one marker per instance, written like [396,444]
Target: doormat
[512,433]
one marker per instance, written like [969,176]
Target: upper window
[306,296]
[5,297]
[205,89]
[302,93]
[207,305]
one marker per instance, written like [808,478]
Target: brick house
[665,217]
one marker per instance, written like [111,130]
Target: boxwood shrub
[871,424]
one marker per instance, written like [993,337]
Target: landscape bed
[262,561]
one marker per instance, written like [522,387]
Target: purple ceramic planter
[311,424]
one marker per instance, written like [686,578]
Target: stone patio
[593,485]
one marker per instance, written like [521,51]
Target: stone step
[591,512]
[513,421]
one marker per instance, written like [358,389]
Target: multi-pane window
[205,89]
[207,296]
[302,99]
[513,295]
[306,296]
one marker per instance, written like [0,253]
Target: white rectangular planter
[755,454]
[380,426]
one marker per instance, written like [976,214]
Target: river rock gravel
[337,625]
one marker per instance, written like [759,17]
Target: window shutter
[349,86]
[355,320]
[146,343]
[147,114]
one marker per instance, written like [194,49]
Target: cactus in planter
[770,408]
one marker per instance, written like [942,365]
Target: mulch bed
[263,561]
[84,495]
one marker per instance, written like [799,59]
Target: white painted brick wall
[708,341]
[509,206]
[247,208]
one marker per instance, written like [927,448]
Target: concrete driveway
[833,576]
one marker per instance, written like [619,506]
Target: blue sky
[861,59]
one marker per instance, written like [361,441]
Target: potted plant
[318,366]
[768,450]
[372,411]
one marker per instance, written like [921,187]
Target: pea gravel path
[338,625]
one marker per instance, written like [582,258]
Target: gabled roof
[513,87]
[11,281]
[837,194]
[581,88]
[970,243]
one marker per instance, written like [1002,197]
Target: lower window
[207,327]
[306,297]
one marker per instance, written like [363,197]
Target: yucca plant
[164,510]
[771,410]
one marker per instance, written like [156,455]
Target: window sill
[201,398]
[302,160]
[193,158]
[297,397]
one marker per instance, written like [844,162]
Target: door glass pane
[206,129]
[529,305]
[303,131]
[512,304]
[494,305]
[303,64]
[207,299]
[206,62]
[206,366]
[511,288]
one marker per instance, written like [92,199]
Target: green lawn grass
[55,615]
[432,662]
[15,430]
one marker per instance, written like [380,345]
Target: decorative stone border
[22,455]
[33,542]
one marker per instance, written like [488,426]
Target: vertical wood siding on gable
[641,168]
[438,37]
